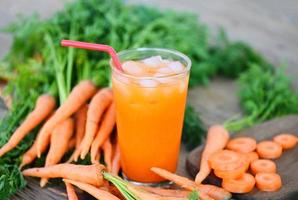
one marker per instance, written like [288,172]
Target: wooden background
[271,26]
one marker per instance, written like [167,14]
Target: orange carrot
[59,144]
[166,192]
[269,150]
[243,184]
[263,165]
[71,144]
[95,192]
[116,160]
[226,160]
[287,141]
[252,156]
[217,139]
[144,195]
[98,105]
[31,153]
[107,150]
[105,129]
[242,144]
[71,193]
[205,190]
[78,96]
[268,182]
[90,174]
[80,121]
[44,106]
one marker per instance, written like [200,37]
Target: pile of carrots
[84,123]
[241,162]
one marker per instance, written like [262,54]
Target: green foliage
[264,95]
[194,195]
[193,129]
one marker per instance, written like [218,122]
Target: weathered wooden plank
[287,165]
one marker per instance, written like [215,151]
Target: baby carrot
[31,153]
[78,96]
[80,123]
[71,193]
[90,174]
[217,139]
[95,192]
[116,160]
[98,105]
[44,106]
[59,144]
[105,129]
[107,150]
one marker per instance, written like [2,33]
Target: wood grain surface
[287,165]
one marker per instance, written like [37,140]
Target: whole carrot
[90,174]
[107,150]
[31,153]
[95,192]
[44,106]
[59,144]
[105,129]
[97,107]
[116,160]
[78,96]
[214,192]
[80,121]
[166,192]
[144,195]
[217,139]
[71,193]
[71,144]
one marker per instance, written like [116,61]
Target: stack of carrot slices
[245,163]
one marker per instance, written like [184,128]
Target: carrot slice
[263,165]
[252,156]
[226,160]
[287,141]
[269,150]
[268,182]
[243,184]
[242,144]
[232,174]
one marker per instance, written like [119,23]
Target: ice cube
[149,83]
[176,66]
[153,61]
[133,68]
[164,71]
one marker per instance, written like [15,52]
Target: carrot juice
[150,95]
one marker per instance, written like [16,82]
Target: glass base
[163,184]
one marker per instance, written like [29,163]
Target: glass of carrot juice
[150,95]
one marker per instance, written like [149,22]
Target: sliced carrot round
[232,174]
[263,166]
[268,182]
[226,160]
[242,144]
[243,184]
[287,141]
[269,150]
[252,156]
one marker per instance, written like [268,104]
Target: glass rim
[164,50]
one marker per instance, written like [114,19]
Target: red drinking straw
[95,47]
